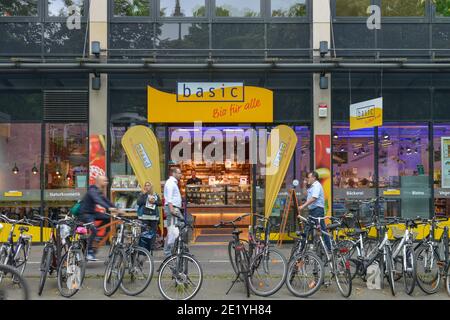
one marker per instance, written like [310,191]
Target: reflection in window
[18,8]
[238,8]
[288,8]
[441,185]
[182,36]
[177,8]
[442,8]
[131,8]
[403,166]
[352,8]
[60,8]
[66,156]
[403,8]
[20,147]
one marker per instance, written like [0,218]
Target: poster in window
[445,164]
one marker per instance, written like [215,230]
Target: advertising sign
[323,168]
[367,114]
[97,157]
[278,164]
[213,102]
[445,162]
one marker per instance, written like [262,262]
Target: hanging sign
[213,102]
[445,162]
[367,114]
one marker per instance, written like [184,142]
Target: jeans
[153,224]
[86,218]
[170,220]
[320,213]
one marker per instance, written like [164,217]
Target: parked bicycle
[16,253]
[432,256]
[180,275]
[128,265]
[54,249]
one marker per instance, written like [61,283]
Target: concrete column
[98,99]
[321,32]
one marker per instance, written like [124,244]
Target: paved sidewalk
[218,275]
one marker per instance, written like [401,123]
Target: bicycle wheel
[427,269]
[305,274]
[409,273]
[114,272]
[390,269]
[447,280]
[45,266]
[21,258]
[8,290]
[232,255]
[268,272]
[71,272]
[138,271]
[242,264]
[180,278]
[3,259]
[341,267]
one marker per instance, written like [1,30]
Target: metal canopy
[91,67]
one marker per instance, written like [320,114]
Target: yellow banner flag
[278,163]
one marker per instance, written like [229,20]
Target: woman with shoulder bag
[148,212]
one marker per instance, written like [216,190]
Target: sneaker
[91,257]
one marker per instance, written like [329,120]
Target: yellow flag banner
[210,102]
[141,146]
[278,163]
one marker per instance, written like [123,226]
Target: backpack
[76,209]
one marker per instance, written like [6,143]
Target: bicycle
[335,257]
[8,292]
[16,253]
[181,270]
[131,264]
[71,270]
[432,258]
[53,250]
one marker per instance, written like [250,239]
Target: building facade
[57,89]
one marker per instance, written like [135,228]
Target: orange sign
[211,102]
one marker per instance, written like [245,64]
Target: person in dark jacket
[149,203]
[93,207]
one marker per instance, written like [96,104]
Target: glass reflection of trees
[59,8]
[292,9]
[237,9]
[403,8]
[131,8]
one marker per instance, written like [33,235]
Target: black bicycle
[16,253]
[54,249]
[180,275]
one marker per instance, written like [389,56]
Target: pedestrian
[149,203]
[172,206]
[315,202]
[92,208]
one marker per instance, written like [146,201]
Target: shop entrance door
[217,176]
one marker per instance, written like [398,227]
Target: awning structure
[143,67]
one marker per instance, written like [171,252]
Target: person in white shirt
[172,199]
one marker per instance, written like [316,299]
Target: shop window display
[441,170]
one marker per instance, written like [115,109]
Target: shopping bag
[374,277]
[172,234]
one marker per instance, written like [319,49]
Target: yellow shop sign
[13,194]
[213,102]
[367,114]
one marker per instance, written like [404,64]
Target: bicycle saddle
[333,226]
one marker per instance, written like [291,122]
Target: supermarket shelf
[126,189]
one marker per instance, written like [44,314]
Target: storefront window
[353,170]
[289,8]
[20,159]
[66,165]
[60,8]
[441,174]
[119,162]
[352,8]
[237,8]
[403,165]
[403,8]
[18,8]
[176,8]
[131,8]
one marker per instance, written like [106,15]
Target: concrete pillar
[322,126]
[98,99]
